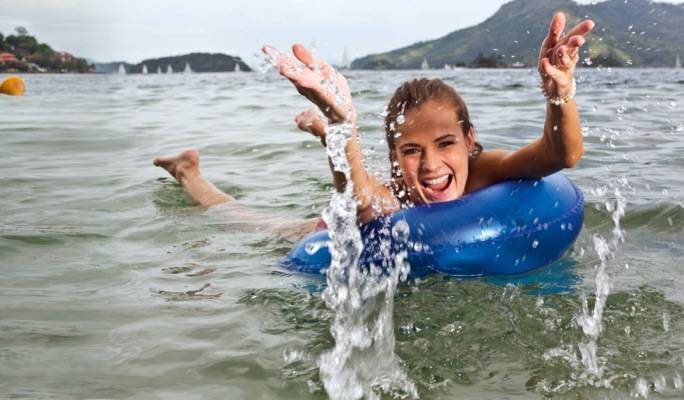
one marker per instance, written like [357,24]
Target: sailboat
[237,67]
[678,63]
[121,70]
[169,70]
[345,60]
[187,69]
[144,69]
[159,70]
[424,64]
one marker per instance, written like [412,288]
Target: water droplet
[313,247]
[666,321]
[400,119]
[535,244]
[400,231]
[660,385]
[291,356]
[677,381]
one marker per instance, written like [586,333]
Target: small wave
[659,218]
[187,295]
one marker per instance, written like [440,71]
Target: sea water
[115,286]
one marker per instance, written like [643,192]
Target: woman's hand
[317,81]
[559,54]
[312,122]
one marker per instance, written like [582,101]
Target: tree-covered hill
[22,52]
[197,62]
[637,33]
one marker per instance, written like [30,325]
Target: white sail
[169,69]
[424,64]
[345,60]
[144,69]
[187,69]
[159,70]
[237,67]
[678,63]
[121,70]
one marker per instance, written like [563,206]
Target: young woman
[431,141]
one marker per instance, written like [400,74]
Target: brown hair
[412,94]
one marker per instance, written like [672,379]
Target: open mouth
[435,188]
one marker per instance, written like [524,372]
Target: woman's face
[432,153]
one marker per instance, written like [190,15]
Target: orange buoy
[13,86]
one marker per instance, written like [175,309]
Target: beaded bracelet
[560,100]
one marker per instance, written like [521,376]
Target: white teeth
[437,181]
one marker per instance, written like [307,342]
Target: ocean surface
[114,285]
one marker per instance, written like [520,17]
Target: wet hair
[412,94]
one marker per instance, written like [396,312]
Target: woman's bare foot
[179,165]
[185,168]
[311,121]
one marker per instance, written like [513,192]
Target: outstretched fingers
[582,28]
[552,38]
[555,31]
[306,57]
[286,66]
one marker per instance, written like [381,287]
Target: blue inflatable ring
[508,228]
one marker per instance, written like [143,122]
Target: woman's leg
[185,168]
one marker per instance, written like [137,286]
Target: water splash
[363,362]
[363,359]
[590,320]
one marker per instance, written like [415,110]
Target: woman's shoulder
[485,169]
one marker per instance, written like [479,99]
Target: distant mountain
[636,33]
[197,62]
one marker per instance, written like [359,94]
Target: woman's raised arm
[329,91]
[561,145]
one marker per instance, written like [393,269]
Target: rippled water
[115,286]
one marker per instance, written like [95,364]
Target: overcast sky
[132,30]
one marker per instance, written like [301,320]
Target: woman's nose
[430,161]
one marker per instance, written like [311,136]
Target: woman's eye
[446,143]
[410,151]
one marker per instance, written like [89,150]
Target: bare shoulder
[485,170]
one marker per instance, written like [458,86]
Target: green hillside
[198,62]
[22,52]
[628,33]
